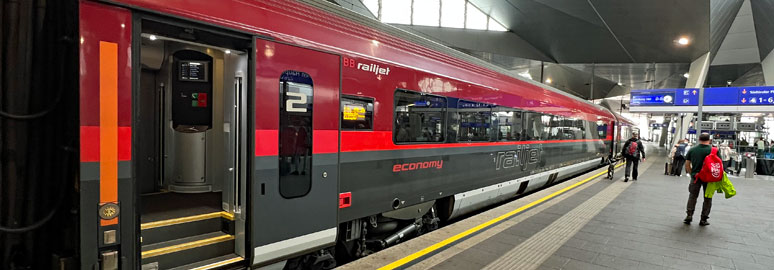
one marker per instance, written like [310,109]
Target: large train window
[295,134]
[475,120]
[419,117]
[556,131]
[357,113]
[509,124]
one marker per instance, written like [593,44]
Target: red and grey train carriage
[294,133]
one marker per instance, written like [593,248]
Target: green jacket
[723,186]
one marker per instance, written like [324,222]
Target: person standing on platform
[679,158]
[633,151]
[693,164]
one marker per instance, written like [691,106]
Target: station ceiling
[607,31]
[626,45]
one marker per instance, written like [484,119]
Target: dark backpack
[680,150]
[712,168]
[632,150]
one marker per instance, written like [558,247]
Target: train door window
[419,117]
[357,113]
[295,134]
[475,121]
[602,129]
[509,124]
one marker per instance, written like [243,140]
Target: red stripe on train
[90,143]
[354,141]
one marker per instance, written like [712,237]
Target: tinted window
[295,134]
[357,113]
[475,120]
[509,124]
[419,117]
[602,130]
[536,126]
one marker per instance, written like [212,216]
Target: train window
[419,117]
[295,133]
[602,129]
[357,113]
[509,124]
[535,126]
[475,121]
[556,131]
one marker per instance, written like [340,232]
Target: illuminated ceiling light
[82,40]
[228,51]
[123,25]
[686,75]
[620,84]
[152,37]
[683,41]
[375,42]
[548,80]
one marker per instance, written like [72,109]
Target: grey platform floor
[610,225]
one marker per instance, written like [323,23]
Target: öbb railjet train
[295,133]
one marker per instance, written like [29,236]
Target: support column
[697,74]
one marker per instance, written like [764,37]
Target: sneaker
[703,222]
[688,220]
[626,179]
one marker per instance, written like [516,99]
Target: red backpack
[632,151]
[712,169]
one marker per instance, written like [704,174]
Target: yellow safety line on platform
[184,246]
[219,264]
[175,221]
[484,225]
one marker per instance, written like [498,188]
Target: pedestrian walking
[693,165]
[633,151]
[679,158]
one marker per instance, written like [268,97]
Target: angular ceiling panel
[764,25]
[723,17]
[739,45]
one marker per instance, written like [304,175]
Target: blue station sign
[717,96]
[653,97]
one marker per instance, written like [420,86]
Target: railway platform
[590,222]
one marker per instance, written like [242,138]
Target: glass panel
[396,11]
[496,26]
[475,18]
[536,129]
[295,143]
[426,12]
[509,124]
[356,113]
[475,121]
[453,13]
[419,117]
[373,6]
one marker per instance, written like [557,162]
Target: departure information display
[653,97]
[718,96]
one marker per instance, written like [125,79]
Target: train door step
[188,250]
[196,240]
[222,262]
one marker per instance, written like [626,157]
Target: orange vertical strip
[108,125]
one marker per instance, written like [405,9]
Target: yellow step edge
[219,264]
[185,246]
[175,221]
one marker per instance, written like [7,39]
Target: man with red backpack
[704,165]
[633,151]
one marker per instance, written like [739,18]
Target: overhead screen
[719,96]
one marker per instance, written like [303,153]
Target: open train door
[295,185]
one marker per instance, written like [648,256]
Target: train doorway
[191,125]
